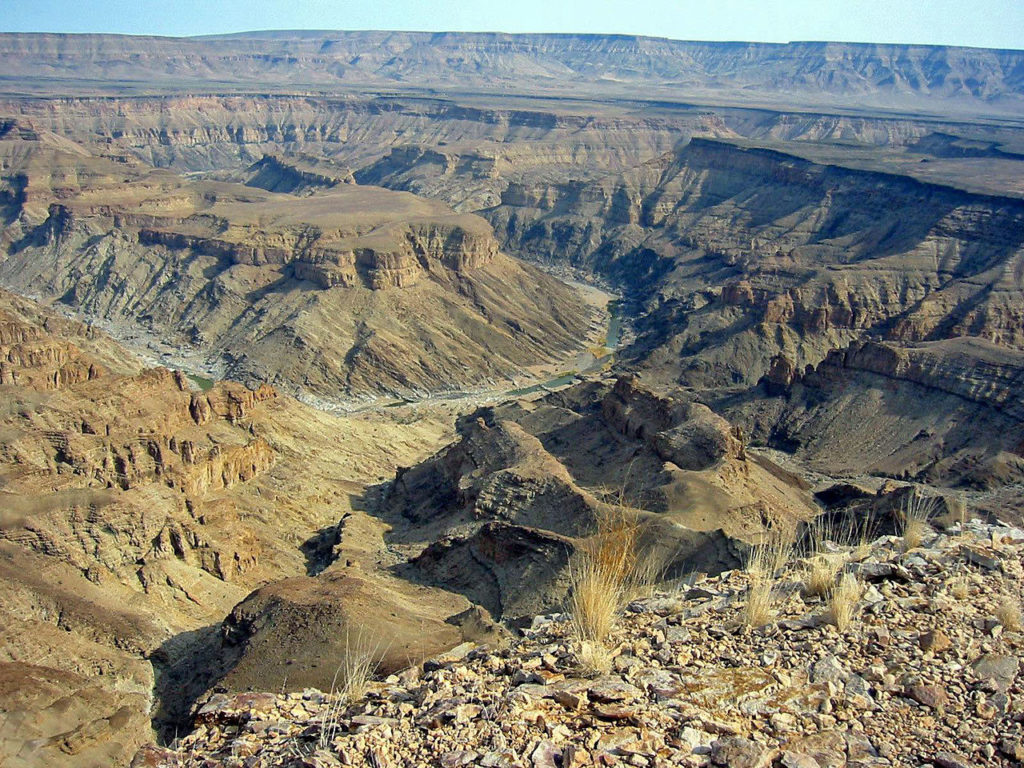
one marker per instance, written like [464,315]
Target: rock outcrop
[303,175]
[494,516]
[926,672]
[944,412]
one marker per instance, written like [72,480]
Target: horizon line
[313,31]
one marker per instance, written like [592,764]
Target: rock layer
[135,512]
[353,292]
[986,81]
[737,254]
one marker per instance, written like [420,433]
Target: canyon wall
[847,74]
[352,292]
[735,254]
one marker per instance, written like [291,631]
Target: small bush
[820,578]
[351,681]
[595,659]
[605,572]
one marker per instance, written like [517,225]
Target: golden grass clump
[764,562]
[1008,614]
[842,604]
[914,519]
[351,682]
[595,659]
[959,587]
[759,608]
[605,572]
[831,544]
[820,576]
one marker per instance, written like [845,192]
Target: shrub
[605,572]
[830,544]
[350,683]
[1008,614]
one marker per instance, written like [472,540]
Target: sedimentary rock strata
[135,512]
[355,291]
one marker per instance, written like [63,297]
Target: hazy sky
[986,23]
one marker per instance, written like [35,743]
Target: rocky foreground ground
[926,674]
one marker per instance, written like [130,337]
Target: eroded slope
[136,512]
[353,292]
[734,255]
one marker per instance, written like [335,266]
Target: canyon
[309,339]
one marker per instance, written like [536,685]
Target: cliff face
[351,263]
[737,254]
[107,549]
[318,138]
[945,412]
[357,290]
[813,73]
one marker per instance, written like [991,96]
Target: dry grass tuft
[914,519]
[960,587]
[822,566]
[351,682]
[764,562]
[821,573]
[829,534]
[1008,614]
[830,544]
[760,606]
[594,601]
[606,571]
[595,659]
[842,605]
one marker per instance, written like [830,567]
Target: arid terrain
[313,342]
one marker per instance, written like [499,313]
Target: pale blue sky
[985,23]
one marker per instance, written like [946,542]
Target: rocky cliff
[135,512]
[945,412]
[738,253]
[355,291]
[811,73]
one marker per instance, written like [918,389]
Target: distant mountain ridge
[855,75]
